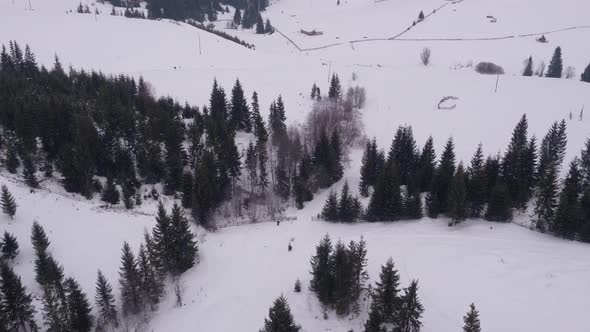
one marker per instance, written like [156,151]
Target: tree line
[492,187]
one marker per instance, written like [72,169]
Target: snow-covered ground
[519,279]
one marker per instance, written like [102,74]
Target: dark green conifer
[8,203]
[280,318]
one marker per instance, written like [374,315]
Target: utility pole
[199,34]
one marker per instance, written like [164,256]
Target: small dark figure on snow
[290,247]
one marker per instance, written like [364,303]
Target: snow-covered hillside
[521,280]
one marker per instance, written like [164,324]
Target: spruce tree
[586,75]
[410,310]
[162,237]
[29,173]
[556,65]
[518,165]
[184,246]
[238,17]
[110,194]
[458,197]
[129,282]
[343,279]
[80,318]
[552,153]
[268,28]
[585,164]
[372,163]
[240,112]
[412,203]
[499,206]
[568,217]
[297,287]
[528,68]
[335,91]
[471,320]
[276,122]
[345,205]
[404,153]
[584,231]
[9,246]
[322,280]
[105,304]
[438,199]
[330,211]
[336,154]
[12,161]
[386,202]
[476,186]
[128,195]
[280,318]
[385,303]
[259,25]
[16,307]
[8,203]
[358,265]
[427,165]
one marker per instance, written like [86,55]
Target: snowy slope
[520,280]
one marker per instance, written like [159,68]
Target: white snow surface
[520,280]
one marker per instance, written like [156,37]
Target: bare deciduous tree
[570,72]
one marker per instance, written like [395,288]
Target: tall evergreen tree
[404,153]
[342,279]
[499,206]
[336,154]
[7,202]
[9,246]
[12,161]
[345,205]
[386,201]
[358,263]
[80,318]
[476,186]
[585,77]
[385,303]
[16,305]
[585,163]
[427,165]
[556,65]
[438,199]
[238,17]
[110,194]
[569,214]
[322,280]
[528,68]
[276,122]
[552,153]
[518,165]
[330,210]
[130,283]
[335,91]
[29,173]
[259,24]
[458,197]
[471,320]
[411,310]
[280,318]
[372,163]
[184,246]
[240,112]
[105,304]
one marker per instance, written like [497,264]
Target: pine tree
[16,305]
[372,163]
[110,193]
[586,75]
[335,91]
[471,320]
[162,237]
[322,279]
[458,197]
[411,310]
[518,165]
[412,203]
[499,206]
[12,161]
[268,28]
[343,279]
[476,186]
[259,25]
[9,246]
[276,122]
[568,217]
[184,246]
[551,156]
[421,16]
[128,195]
[240,112]
[313,94]
[438,199]
[528,68]
[358,266]
[8,203]
[427,165]
[280,318]
[404,153]
[556,65]
[584,231]
[330,212]
[238,17]
[345,205]
[297,287]
[105,303]
[585,164]
[385,303]
[29,173]
[130,283]
[80,318]
[386,201]
[336,168]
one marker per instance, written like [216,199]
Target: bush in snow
[425,56]
[489,68]
[297,288]
[570,72]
